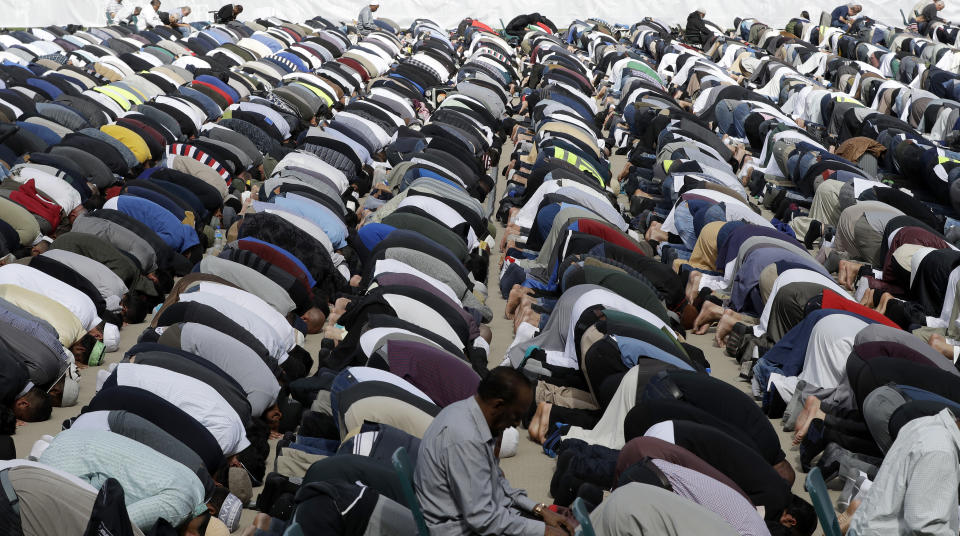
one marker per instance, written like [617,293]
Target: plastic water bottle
[218,241]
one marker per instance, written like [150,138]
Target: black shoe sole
[737,340]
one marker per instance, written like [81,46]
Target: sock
[813,233]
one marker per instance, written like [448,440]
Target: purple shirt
[443,377]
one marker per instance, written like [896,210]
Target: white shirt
[442,212]
[236,359]
[150,16]
[374,339]
[246,317]
[915,491]
[109,284]
[250,280]
[194,397]
[794,275]
[298,221]
[313,162]
[825,360]
[370,374]
[59,190]
[34,280]
[271,114]
[586,195]
[257,305]
[611,300]
[93,420]
[662,430]
[736,210]
[415,311]
[394,266]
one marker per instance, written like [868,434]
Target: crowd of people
[229,190]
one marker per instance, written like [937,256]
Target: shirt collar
[479,420]
[948,420]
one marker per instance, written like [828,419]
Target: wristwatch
[538,509]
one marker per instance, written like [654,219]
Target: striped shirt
[154,485]
[714,496]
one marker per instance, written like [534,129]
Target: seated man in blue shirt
[843,16]
[458,479]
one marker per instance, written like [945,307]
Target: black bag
[109,516]
[9,508]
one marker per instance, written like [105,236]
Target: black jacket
[696,32]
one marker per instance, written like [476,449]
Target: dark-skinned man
[458,479]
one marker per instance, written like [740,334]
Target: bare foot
[640,193]
[725,326]
[528,316]
[654,232]
[533,429]
[693,286]
[811,411]
[262,521]
[867,299]
[543,422]
[709,313]
[940,344]
[847,273]
[844,517]
[526,303]
[515,299]
[339,308]
[518,316]
[333,333]
[884,301]
[512,229]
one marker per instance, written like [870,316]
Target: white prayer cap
[509,443]
[111,337]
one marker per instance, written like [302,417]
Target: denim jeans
[950,222]
[761,374]
[730,121]
[343,381]
[683,220]
[318,444]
